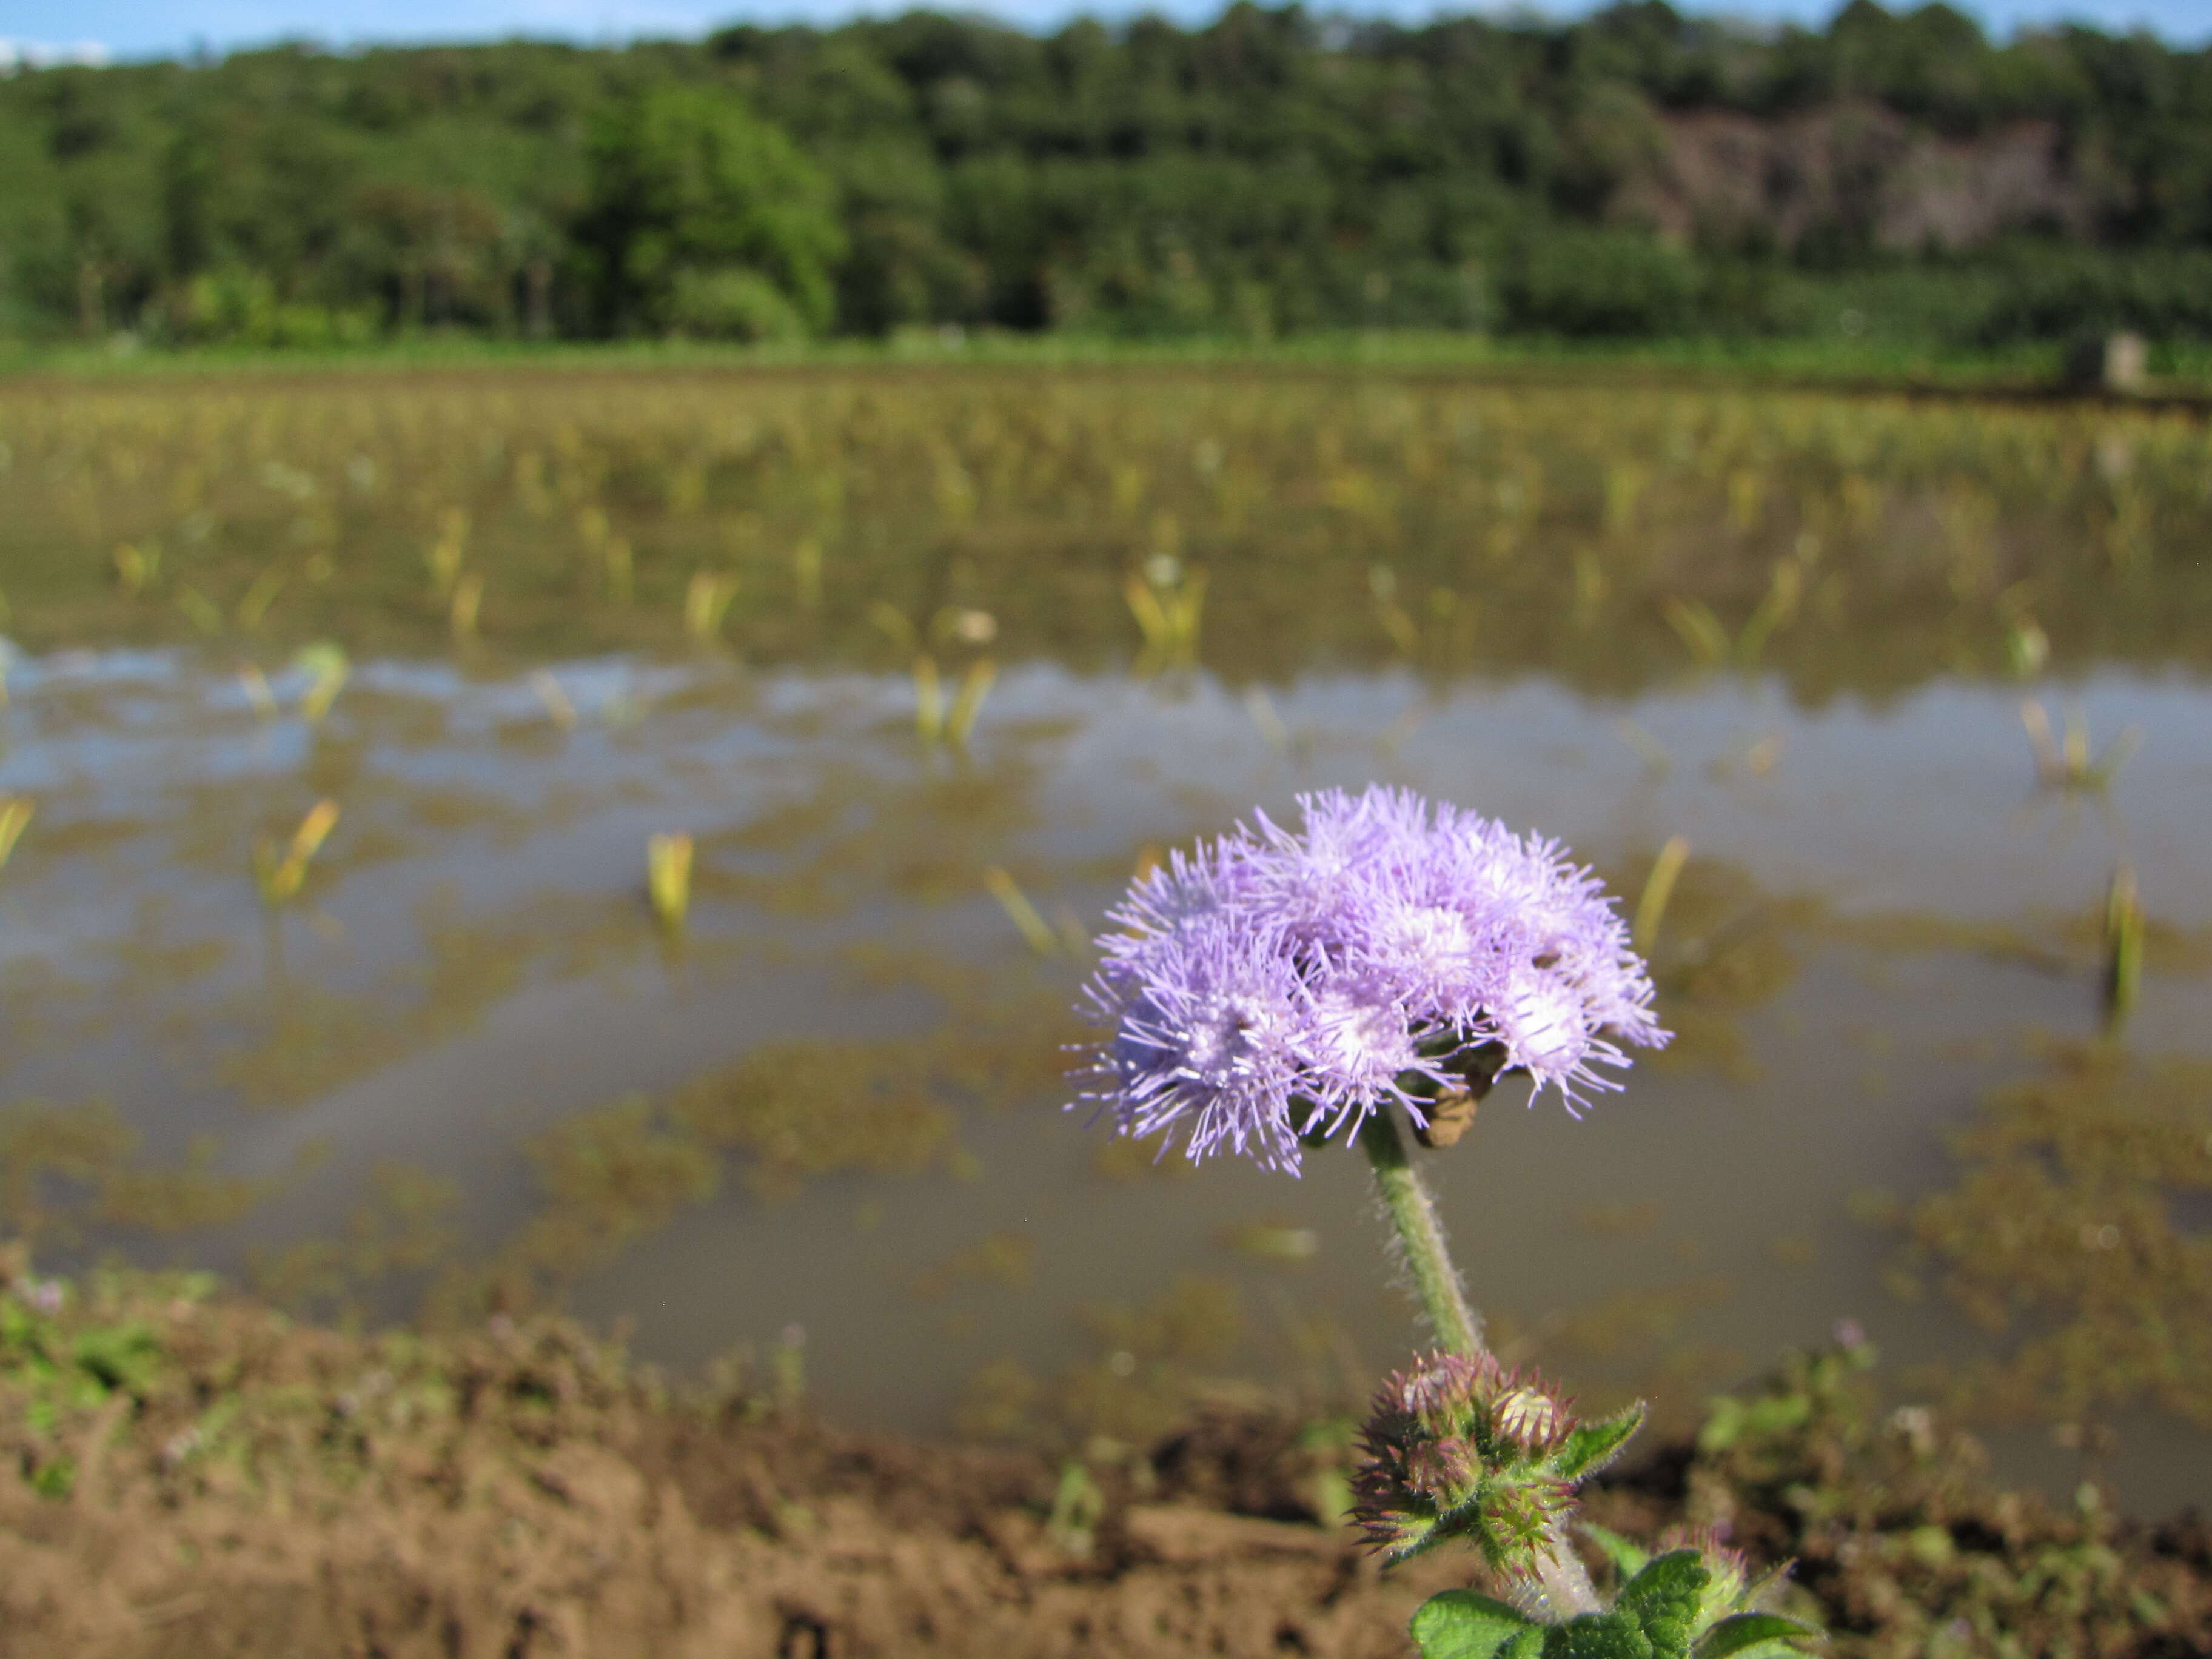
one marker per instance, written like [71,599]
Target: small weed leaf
[1599,1636]
[1462,1625]
[123,1356]
[1663,1600]
[1754,1636]
[1590,1446]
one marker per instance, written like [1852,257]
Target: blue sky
[132,28]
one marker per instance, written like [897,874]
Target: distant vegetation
[1896,177]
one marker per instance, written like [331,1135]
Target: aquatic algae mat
[202,1476]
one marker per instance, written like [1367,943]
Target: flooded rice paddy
[341,716]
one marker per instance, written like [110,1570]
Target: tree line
[1639,171]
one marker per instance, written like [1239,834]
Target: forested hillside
[1638,173]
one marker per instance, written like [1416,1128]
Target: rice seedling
[1747,498]
[967,703]
[1779,605]
[255,684]
[327,669]
[668,878]
[928,701]
[2124,948]
[1026,916]
[253,604]
[280,872]
[892,623]
[2027,648]
[1658,891]
[1273,732]
[1708,639]
[2067,763]
[558,708]
[1382,585]
[137,567]
[468,602]
[445,555]
[1693,621]
[1167,602]
[1592,586]
[199,609]
[1625,481]
[2127,538]
[17,812]
[705,602]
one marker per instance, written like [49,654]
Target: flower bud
[1460,1447]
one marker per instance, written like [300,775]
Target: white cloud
[44,54]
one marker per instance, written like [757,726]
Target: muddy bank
[187,1473]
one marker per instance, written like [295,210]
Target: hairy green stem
[1565,1583]
[1420,1237]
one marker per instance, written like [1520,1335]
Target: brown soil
[190,1475]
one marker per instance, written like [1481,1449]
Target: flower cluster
[1462,1448]
[1275,984]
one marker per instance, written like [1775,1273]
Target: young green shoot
[1658,890]
[17,812]
[255,684]
[928,701]
[2124,948]
[2068,764]
[705,602]
[558,708]
[260,594]
[468,602]
[280,873]
[1023,915]
[327,668]
[967,703]
[668,878]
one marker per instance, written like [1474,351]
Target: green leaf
[1752,1635]
[1590,1446]
[1627,1559]
[1724,1424]
[1664,1599]
[1598,1635]
[1762,1589]
[1461,1625]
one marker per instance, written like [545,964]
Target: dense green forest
[1638,173]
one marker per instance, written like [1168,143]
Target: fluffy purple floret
[1276,981]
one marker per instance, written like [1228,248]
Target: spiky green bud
[1463,1448]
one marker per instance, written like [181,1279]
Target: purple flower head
[1209,1031]
[1278,981]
